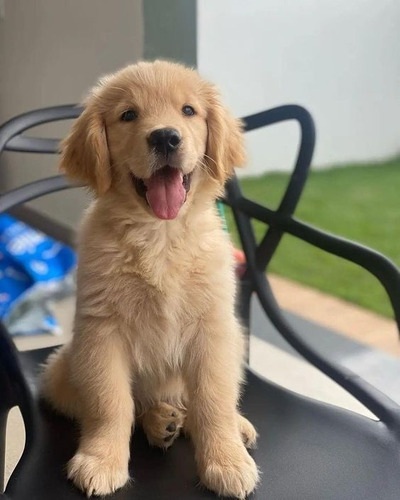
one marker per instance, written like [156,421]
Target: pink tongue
[165,192]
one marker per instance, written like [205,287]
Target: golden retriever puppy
[155,332]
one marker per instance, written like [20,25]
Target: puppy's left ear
[225,141]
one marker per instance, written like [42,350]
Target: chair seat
[306,451]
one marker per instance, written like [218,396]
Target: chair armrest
[374,262]
[382,268]
[11,137]
[33,190]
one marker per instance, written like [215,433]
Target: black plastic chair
[307,450]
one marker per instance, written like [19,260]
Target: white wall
[338,58]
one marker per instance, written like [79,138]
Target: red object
[240,261]
[239,256]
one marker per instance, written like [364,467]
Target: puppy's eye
[188,111]
[129,115]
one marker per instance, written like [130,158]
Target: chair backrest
[258,257]
[13,139]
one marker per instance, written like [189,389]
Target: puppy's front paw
[97,476]
[231,472]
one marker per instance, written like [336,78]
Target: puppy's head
[157,134]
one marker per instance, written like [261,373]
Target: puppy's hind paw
[248,432]
[162,424]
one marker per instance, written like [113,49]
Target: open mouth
[165,191]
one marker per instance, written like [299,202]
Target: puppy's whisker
[206,168]
[211,159]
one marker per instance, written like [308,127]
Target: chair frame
[280,221]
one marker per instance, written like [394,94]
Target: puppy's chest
[158,328]
[170,286]
[160,311]
[169,303]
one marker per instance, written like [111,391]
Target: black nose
[164,140]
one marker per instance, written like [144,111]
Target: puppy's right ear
[84,152]
[225,142]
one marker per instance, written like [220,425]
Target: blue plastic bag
[33,267]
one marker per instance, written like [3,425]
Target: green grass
[359,202]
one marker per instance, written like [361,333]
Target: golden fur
[155,331]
